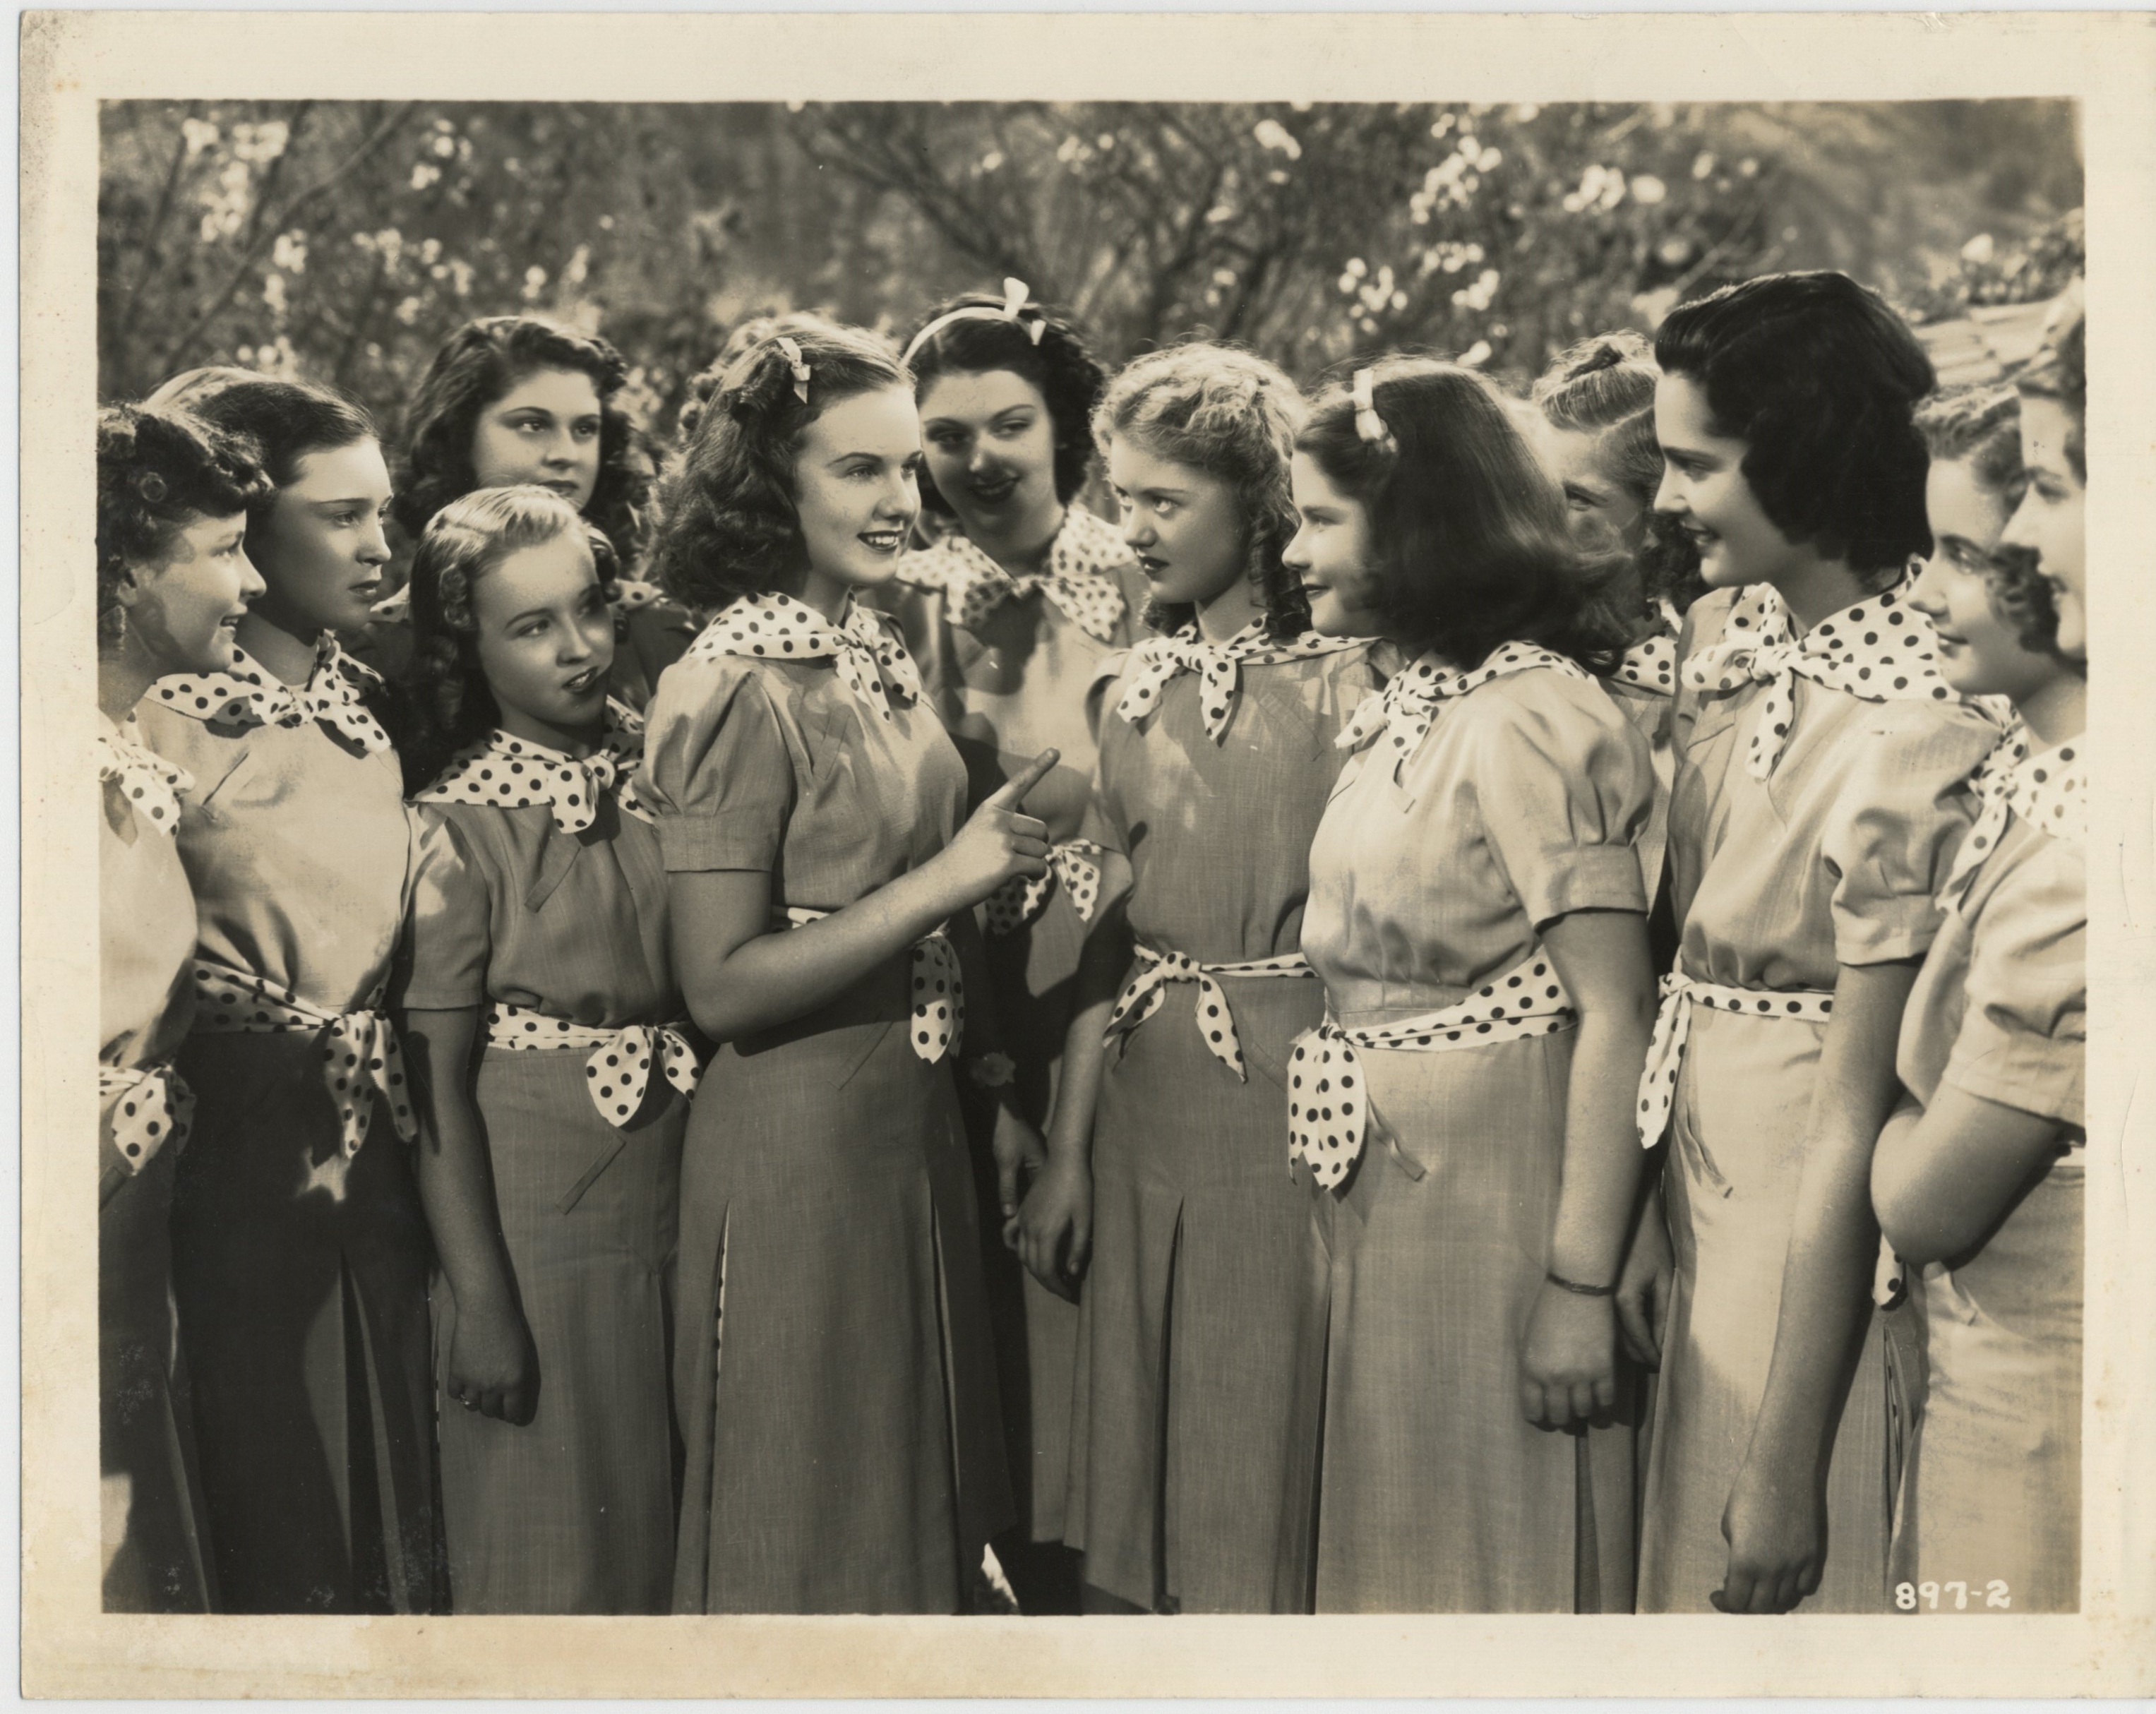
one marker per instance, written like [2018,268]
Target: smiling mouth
[880,541]
[1150,567]
[588,679]
[992,491]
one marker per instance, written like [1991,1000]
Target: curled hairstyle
[1060,368]
[1233,415]
[1981,426]
[746,337]
[1818,378]
[1605,386]
[444,700]
[480,363]
[731,525]
[1467,530]
[157,472]
[286,420]
[2060,371]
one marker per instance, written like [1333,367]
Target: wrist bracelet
[1565,1285]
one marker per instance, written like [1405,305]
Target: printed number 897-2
[1907,1596]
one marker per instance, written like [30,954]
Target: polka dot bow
[2048,790]
[251,696]
[515,773]
[618,1074]
[1216,1020]
[864,648]
[151,784]
[1405,710]
[1075,865]
[360,1052]
[1157,661]
[1328,1097]
[1881,650]
[149,1106]
[1651,665]
[936,1022]
[1658,1079]
[1076,577]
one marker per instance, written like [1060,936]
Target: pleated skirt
[572,1512]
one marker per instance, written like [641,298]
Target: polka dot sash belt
[1328,1098]
[1216,1021]
[1658,1082]
[937,1023]
[360,1052]
[150,1105]
[1075,865]
[618,1073]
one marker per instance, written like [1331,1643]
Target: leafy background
[343,240]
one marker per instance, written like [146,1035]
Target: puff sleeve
[451,934]
[1564,785]
[717,773]
[1890,837]
[2024,1028]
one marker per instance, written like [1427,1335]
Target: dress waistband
[936,1023]
[618,1072]
[1658,1080]
[150,1105]
[1216,1020]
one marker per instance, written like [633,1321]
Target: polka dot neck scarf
[1651,664]
[150,1107]
[1879,650]
[618,1074]
[1155,662]
[1404,711]
[149,782]
[2046,788]
[360,1056]
[864,651]
[515,773]
[251,695]
[1076,577]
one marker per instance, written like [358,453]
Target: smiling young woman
[300,1252]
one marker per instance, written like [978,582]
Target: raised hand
[1000,841]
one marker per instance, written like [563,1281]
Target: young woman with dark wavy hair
[835,1382]
[1477,916]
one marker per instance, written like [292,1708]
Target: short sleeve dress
[154,1554]
[1429,880]
[539,916]
[2000,1012]
[835,1376]
[1645,688]
[300,1270]
[1201,1330]
[1008,665]
[1833,860]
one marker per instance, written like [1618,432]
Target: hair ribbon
[1016,294]
[1368,424]
[792,352]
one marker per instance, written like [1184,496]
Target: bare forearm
[1098,981]
[1943,1177]
[1603,1159]
[456,1177]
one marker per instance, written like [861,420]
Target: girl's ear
[128,589]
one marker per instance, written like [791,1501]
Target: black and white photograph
[919,850]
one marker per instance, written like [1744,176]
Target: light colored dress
[2000,1012]
[844,1445]
[1008,664]
[1201,1333]
[1645,689]
[154,1560]
[544,905]
[1831,859]
[1439,860]
[300,1250]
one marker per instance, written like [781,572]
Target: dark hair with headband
[730,525]
[975,333]
[1467,529]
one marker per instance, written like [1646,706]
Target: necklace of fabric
[151,784]
[863,647]
[249,695]
[507,772]
[1404,711]
[1158,660]
[2048,789]
[1075,576]
[1878,650]
[1651,663]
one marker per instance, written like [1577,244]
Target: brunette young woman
[300,1252]
[1478,919]
[834,1377]
[1978,1177]
[1194,1424]
[173,582]
[1817,807]
[511,399]
[546,1033]
[1009,615]
[2054,389]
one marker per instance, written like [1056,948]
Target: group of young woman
[1139,1037]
